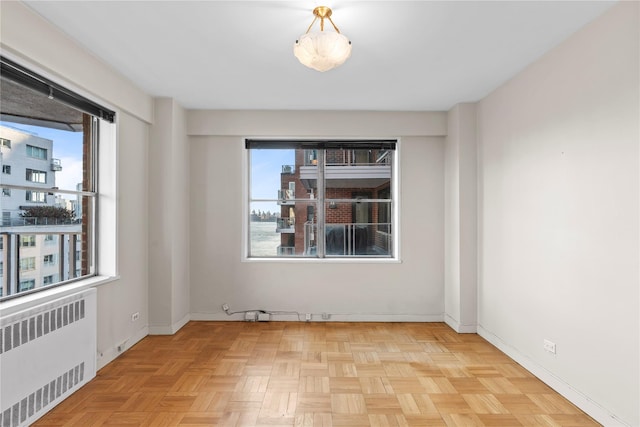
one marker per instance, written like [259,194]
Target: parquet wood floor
[315,374]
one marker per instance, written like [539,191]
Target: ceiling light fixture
[322,50]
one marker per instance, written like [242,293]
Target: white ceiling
[407,55]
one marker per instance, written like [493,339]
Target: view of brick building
[357,203]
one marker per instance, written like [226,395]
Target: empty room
[299,213]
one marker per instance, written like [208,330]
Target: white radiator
[46,353]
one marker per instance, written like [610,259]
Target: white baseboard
[107,356]
[593,409]
[169,329]
[421,318]
[456,326]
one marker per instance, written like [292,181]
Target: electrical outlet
[263,317]
[307,317]
[251,316]
[326,316]
[225,306]
[549,346]
[135,316]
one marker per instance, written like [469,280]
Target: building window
[334,199]
[36,152]
[28,241]
[27,285]
[1,268]
[36,176]
[66,216]
[5,143]
[6,169]
[6,192]
[28,263]
[35,196]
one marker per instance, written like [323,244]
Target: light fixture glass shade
[322,51]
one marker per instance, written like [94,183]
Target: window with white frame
[32,175]
[36,152]
[321,199]
[27,285]
[28,241]
[28,263]
[35,196]
[54,132]
[6,169]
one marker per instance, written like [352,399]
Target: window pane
[57,248]
[263,237]
[353,229]
[46,264]
[356,219]
[36,176]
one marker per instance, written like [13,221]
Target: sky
[67,146]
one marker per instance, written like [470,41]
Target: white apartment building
[26,159]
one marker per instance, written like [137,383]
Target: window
[36,152]
[28,241]
[1,268]
[35,196]
[6,169]
[28,263]
[61,124]
[5,143]
[26,285]
[334,199]
[36,176]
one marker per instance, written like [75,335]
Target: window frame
[103,154]
[35,196]
[31,149]
[395,202]
[36,176]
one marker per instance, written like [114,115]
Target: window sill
[325,260]
[17,304]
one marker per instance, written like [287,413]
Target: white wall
[410,290]
[49,51]
[168,219]
[559,216]
[460,296]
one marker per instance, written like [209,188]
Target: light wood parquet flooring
[315,374]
